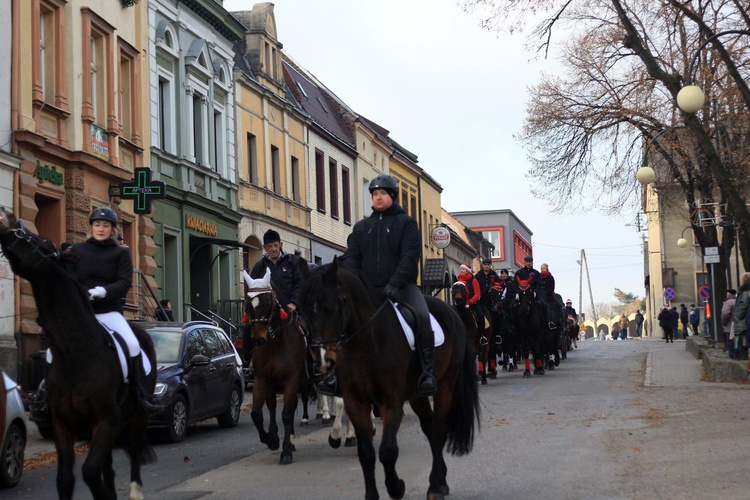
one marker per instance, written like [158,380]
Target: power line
[589,248]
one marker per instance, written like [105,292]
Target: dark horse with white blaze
[86,390]
[278,363]
[375,366]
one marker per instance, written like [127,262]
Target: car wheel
[11,461]
[178,420]
[231,417]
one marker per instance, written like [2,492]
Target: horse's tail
[465,409]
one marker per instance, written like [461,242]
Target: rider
[105,268]
[527,272]
[385,249]
[569,311]
[473,296]
[486,277]
[546,292]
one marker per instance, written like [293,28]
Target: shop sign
[46,173]
[201,226]
[441,237]
[99,142]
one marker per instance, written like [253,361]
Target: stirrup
[551,325]
[426,385]
[483,340]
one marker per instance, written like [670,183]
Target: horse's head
[328,309]
[459,293]
[263,309]
[26,251]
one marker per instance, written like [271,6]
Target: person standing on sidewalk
[624,323]
[674,322]
[727,320]
[638,323]
[740,314]
[684,320]
[695,318]
[664,323]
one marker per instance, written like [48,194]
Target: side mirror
[199,360]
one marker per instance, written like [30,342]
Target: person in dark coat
[106,270]
[546,292]
[674,322]
[486,277]
[684,320]
[638,323]
[385,250]
[665,324]
[165,313]
[285,272]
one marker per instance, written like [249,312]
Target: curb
[717,364]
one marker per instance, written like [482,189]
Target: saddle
[409,328]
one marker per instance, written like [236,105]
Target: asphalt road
[617,420]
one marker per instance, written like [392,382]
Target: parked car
[199,376]
[13,436]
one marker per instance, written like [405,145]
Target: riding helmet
[386,182]
[103,213]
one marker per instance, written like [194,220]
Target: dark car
[199,376]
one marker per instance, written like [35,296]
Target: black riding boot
[426,384]
[138,386]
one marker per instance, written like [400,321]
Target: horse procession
[339,337]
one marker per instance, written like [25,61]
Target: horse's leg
[259,392]
[273,426]
[287,419]
[391,414]
[334,438]
[64,444]
[435,427]
[323,411]
[100,451]
[359,414]
[484,354]
[140,452]
[305,396]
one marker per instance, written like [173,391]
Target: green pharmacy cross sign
[142,190]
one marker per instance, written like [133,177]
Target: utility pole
[580,285]
[588,280]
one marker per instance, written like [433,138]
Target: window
[275,171]
[166,114]
[320,181]
[267,59]
[295,181]
[495,236]
[404,199]
[346,196]
[273,64]
[48,80]
[366,199]
[413,201]
[48,27]
[199,127]
[98,105]
[252,160]
[129,93]
[521,248]
[219,140]
[214,348]
[333,182]
[96,63]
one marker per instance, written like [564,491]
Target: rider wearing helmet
[105,268]
[569,312]
[385,249]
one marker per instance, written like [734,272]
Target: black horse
[279,362]
[509,346]
[475,328]
[375,366]
[85,386]
[529,319]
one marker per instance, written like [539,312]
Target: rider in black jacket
[385,249]
[486,277]
[285,273]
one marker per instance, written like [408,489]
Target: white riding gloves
[97,293]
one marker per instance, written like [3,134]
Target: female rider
[473,293]
[105,268]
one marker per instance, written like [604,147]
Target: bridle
[38,245]
[274,311]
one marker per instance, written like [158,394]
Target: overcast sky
[455,95]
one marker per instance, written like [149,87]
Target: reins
[342,339]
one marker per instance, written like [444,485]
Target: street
[617,419]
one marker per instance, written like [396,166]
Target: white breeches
[116,321]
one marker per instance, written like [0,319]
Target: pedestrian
[624,323]
[674,322]
[602,333]
[664,323]
[684,320]
[727,321]
[165,313]
[105,269]
[695,318]
[638,323]
[740,317]
[385,249]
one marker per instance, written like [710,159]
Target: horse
[279,362]
[459,296]
[507,339]
[85,386]
[529,319]
[573,330]
[375,366]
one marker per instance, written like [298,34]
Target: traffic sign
[669,293]
[704,291]
[712,259]
[711,251]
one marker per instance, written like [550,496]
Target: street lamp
[691,98]
[682,242]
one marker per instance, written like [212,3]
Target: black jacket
[524,274]
[664,318]
[105,264]
[570,311]
[485,282]
[285,276]
[683,315]
[546,286]
[386,248]
[674,319]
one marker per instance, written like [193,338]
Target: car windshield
[167,345]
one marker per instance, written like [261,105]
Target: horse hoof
[334,443]
[294,448]
[484,381]
[527,374]
[505,368]
[397,491]
[272,443]
[318,416]
[327,422]
[551,366]
[539,371]
[304,422]
[349,442]
[557,361]
[285,459]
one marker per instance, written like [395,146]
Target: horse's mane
[316,281]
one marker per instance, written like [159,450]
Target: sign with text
[441,237]
[142,190]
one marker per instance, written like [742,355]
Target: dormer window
[301,89]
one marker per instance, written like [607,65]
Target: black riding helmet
[103,213]
[385,182]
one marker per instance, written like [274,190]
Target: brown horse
[279,364]
[459,295]
[85,386]
[375,366]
